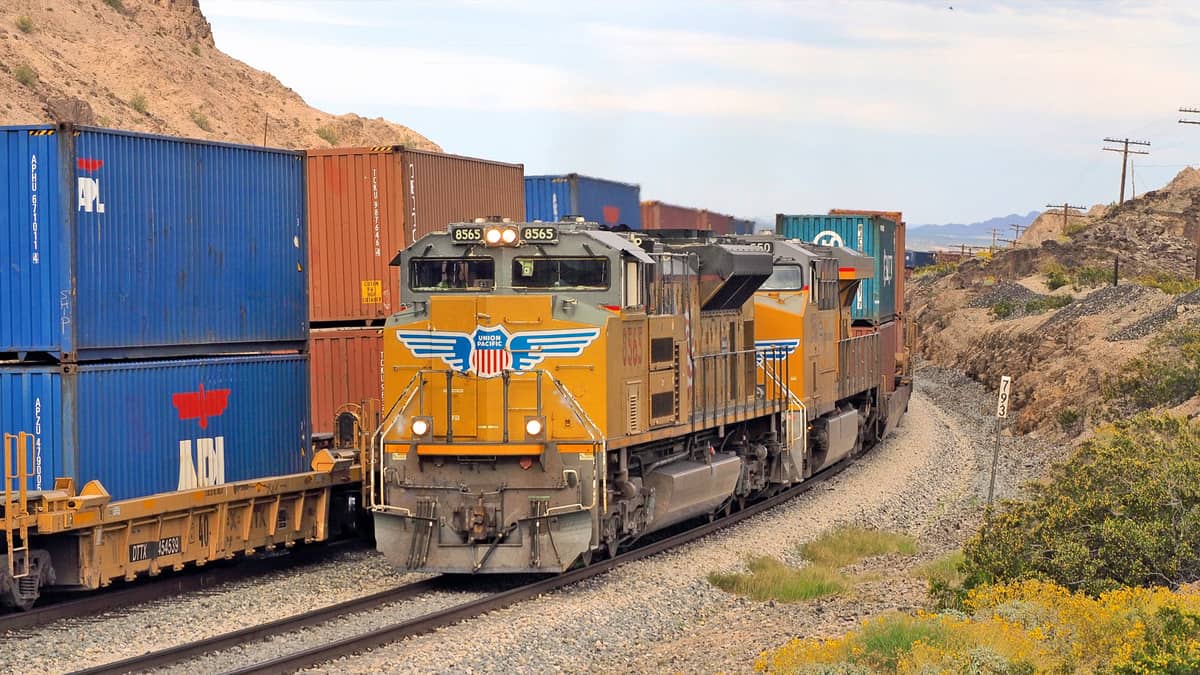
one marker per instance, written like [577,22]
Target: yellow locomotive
[555,390]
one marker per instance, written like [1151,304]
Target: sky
[948,111]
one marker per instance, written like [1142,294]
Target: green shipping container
[870,235]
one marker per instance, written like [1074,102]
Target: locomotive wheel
[611,543]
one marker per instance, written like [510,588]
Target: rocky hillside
[152,65]
[1049,315]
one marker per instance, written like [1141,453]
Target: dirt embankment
[152,65]
[1049,316]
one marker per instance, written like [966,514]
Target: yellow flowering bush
[1023,627]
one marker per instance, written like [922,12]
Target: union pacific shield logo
[489,357]
[488,351]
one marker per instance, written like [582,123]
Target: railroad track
[424,624]
[172,584]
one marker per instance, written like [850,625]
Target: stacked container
[154,300]
[365,205]
[874,236]
[660,216]
[597,200]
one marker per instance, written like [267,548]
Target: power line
[1066,212]
[1125,153]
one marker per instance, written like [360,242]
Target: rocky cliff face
[152,65]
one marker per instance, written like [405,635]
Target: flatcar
[556,390]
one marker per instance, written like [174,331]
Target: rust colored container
[660,216]
[890,344]
[365,204]
[717,222]
[345,366]
[898,218]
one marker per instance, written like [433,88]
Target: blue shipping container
[607,202]
[914,259]
[870,235]
[116,244]
[143,428]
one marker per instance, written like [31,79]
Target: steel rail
[176,654]
[398,631]
[189,580]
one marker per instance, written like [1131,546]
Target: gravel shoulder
[929,480]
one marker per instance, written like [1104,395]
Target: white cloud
[280,12]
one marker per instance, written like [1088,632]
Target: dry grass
[847,545]
[770,579]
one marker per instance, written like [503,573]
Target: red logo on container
[612,214]
[88,165]
[201,404]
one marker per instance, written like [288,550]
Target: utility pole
[1193,111]
[1017,229]
[995,230]
[1066,207]
[1125,153]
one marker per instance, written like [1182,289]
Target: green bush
[1068,419]
[1124,509]
[200,119]
[1168,283]
[1047,302]
[1075,227]
[327,135]
[1003,309]
[25,24]
[196,50]
[138,103]
[117,5]
[1056,279]
[25,75]
[1090,277]
[936,270]
[1166,374]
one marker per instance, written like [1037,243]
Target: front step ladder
[16,511]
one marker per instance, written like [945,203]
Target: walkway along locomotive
[559,390]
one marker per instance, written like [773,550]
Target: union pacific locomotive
[559,390]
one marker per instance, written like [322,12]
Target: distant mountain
[926,237]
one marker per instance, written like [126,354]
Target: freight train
[554,390]
[559,390]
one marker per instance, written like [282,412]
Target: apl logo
[207,466]
[828,238]
[774,349]
[88,188]
[489,351]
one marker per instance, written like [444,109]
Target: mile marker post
[1001,414]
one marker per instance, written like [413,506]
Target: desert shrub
[25,75]
[200,119]
[327,135]
[1124,509]
[770,579]
[847,545]
[1047,302]
[138,103]
[945,578]
[118,5]
[1090,277]
[1069,419]
[1074,227]
[1056,280]
[1168,283]
[1003,309]
[196,50]
[25,24]
[1024,627]
[935,271]
[1166,374]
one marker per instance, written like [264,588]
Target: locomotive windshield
[560,272]
[784,278]
[440,274]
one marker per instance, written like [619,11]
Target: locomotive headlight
[421,428]
[508,236]
[535,428]
[492,236]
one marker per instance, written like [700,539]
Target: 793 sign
[1002,403]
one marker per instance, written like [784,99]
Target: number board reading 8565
[469,234]
[539,234]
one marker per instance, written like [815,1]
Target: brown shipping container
[345,366]
[660,216]
[365,204]
[898,218]
[889,334]
[717,222]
